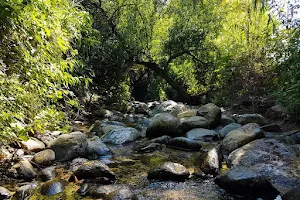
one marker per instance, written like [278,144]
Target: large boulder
[202,134]
[45,157]
[269,158]
[162,124]
[210,162]
[112,192]
[240,137]
[246,182]
[189,123]
[95,170]
[250,118]
[169,171]
[228,128]
[121,136]
[33,145]
[184,143]
[212,113]
[69,146]
[166,106]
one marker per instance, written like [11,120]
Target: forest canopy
[55,52]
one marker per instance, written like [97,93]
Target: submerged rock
[53,187]
[169,171]
[184,143]
[69,146]
[164,107]
[240,137]
[162,124]
[122,136]
[113,192]
[202,134]
[246,182]
[4,193]
[45,157]
[212,113]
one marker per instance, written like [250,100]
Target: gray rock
[166,106]
[113,192]
[228,128]
[162,124]
[33,145]
[141,108]
[103,113]
[188,113]
[202,134]
[189,123]
[148,147]
[122,136]
[101,128]
[48,173]
[212,113]
[293,194]
[45,157]
[25,192]
[179,108]
[246,182]
[210,162]
[225,119]
[184,143]
[69,146]
[97,147]
[23,169]
[76,163]
[161,140]
[169,171]
[250,118]
[84,188]
[53,187]
[4,193]
[94,170]
[240,137]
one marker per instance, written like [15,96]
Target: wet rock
[4,193]
[148,147]
[69,146]
[188,113]
[23,169]
[293,194]
[202,135]
[271,128]
[169,171]
[225,119]
[141,108]
[97,147]
[76,163]
[210,162]
[184,143]
[122,136]
[162,124]
[164,107]
[269,158]
[53,187]
[48,173]
[161,140]
[101,128]
[246,182]
[189,123]
[295,138]
[103,113]
[250,118]
[33,145]
[25,192]
[45,157]
[94,169]
[240,137]
[228,128]
[113,192]
[212,113]
[84,188]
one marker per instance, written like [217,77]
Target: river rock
[202,134]
[95,170]
[113,192]
[45,157]
[101,128]
[97,147]
[188,113]
[161,140]
[228,128]
[25,192]
[147,147]
[240,137]
[141,108]
[269,158]
[33,145]
[293,194]
[23,169]
[48,173]
[225,119]
[164,107]
[250,118]
[212,113]
[76,163]
[189,123]
[162,124]
[69,146]
[246,182]
[169,171]
[103,113]
[122,136]
[210,162]
[184,143]
[4,193]
[53,187]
